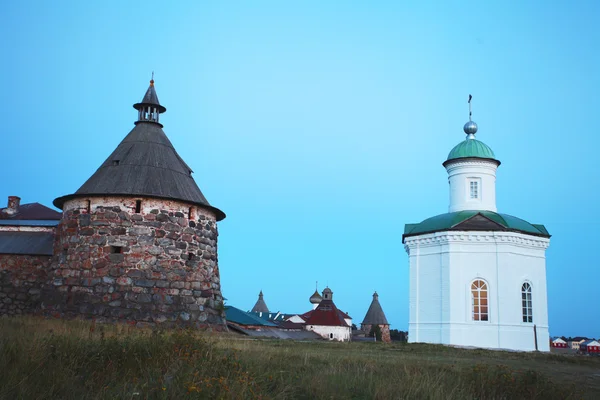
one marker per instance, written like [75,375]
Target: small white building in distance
[477,277]
[328,321]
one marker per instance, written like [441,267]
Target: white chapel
[477,277]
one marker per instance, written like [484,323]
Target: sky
[320,128]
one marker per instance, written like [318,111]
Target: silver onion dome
[470,128]
[315,298]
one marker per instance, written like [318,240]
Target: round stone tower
[138,241]
[376,316]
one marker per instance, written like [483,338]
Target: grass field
[43,359]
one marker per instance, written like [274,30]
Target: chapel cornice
[448,237]
[472,162]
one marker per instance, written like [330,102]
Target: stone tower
[260,305]
[376,316]
[138,241]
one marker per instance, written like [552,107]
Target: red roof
[32,211]
[326,313]
[306,315]
[342,314]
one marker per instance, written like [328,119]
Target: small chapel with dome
[477,277]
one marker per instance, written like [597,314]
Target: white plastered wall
[461,173]
[340,333]
[128,203]
[442,267]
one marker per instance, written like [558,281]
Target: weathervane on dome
[470,127]
[470,97]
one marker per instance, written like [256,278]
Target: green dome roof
[479,220]
[471,148]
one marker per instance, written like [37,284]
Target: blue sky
[320,129]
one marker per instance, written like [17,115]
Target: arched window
[527,303]
[479,300]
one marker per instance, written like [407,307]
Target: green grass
[49,359]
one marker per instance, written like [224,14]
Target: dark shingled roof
[375,315]
[32,243]
[260,305]
[150,99]
[144,164]
[31,211]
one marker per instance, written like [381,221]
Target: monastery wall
[155,266]
[339,333]
[21,279]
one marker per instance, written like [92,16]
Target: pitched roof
[31,211]
[326,313]
[30,222]
[144,164]
[579,339]
[270,332]
[590,342]
[31,243]
[290,325]
[272,316]
[240,317]
[375,315]
[260,305]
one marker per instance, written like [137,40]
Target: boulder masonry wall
[144,261]
[21,279]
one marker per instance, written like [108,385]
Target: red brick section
[155,268]
[385,332]
[21,278]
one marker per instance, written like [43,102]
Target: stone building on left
[26,248]
[137,242]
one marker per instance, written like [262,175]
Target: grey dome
[315,298]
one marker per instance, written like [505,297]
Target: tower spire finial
[149,108]
[470,97]
[470,127]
